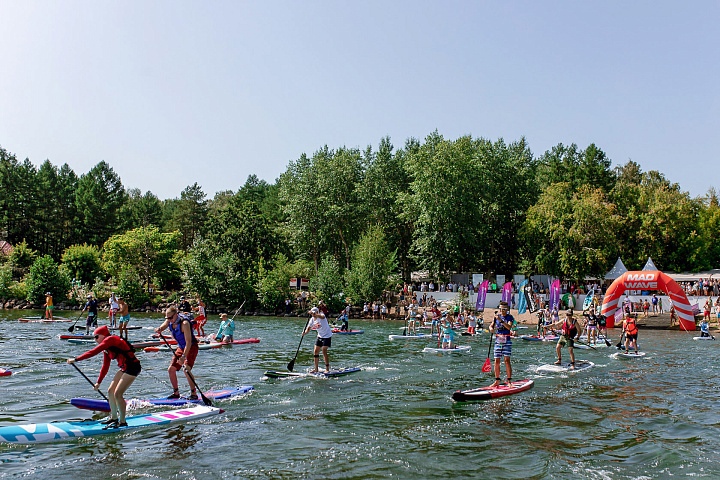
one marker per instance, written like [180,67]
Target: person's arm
[162,327]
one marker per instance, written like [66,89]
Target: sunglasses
[97,336]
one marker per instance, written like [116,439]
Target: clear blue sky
[175,92]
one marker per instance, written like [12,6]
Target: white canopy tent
[617,270]
[649,265]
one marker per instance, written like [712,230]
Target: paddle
[205,399]
[239,308]
[622,337]
[72,327]
[89,381]
[486,365]
[404,329]
[291,365]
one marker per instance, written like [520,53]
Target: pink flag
[482,293]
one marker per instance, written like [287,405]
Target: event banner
[530,298]
[522,304]
[482,293]
[507,294]
[555,295]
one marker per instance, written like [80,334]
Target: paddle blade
[291,365]
[486,365]
[607,342]
[71,328]
[206,400]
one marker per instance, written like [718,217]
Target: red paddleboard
[486,393]
[5,373]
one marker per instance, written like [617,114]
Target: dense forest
[355,222]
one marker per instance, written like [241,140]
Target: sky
[170,93]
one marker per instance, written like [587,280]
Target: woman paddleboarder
[119,349]
[324,337]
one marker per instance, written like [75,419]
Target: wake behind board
[50,432]
[103,406]
[5,373]
[632,354]
[330,374]
[487,393]
[457,349]
[565,367]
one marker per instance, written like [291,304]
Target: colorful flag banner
[522,303]
[482,293]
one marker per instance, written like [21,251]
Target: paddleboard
[80,341]
[703,338]
[632,354]
[103,406]
[595,346]
[535,338]
[337,331]
[409,337]
[321,374]
[486,393]
[50,432]
[129,327]
[202,346]
[43,320]
[565,367]
[457,349]
[79,336]
[5,373]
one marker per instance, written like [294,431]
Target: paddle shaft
[291,365]
[72,327]
[205,400]
[89,381]
[486,365]
[586,344]
[238,310]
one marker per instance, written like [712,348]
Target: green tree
[374,267]
[274,283]
[45,276]
[187,215]
[21,259]
[144,254]
[140,210]
[83,262]
[99,198]
[328,283]
[6,281]
[19,195]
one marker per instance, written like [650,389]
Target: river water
[651,417]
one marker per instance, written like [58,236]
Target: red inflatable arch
[648,280]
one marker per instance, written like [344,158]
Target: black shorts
[133,369]
[323,342]
[631,337]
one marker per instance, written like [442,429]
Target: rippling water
[652,417]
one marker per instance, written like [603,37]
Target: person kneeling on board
[226,330]
[114,347]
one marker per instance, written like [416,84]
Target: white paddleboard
[410,337]
[457,349]
[703,338]
[632,354]
[565,367]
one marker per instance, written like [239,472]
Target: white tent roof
[616,271]
[649,265]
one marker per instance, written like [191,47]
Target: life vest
[631,327]
[125,354]
[569,329]
[176,329]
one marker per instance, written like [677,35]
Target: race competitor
[117,348]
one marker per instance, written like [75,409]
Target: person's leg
[496,369]
[326,357]
[508,369]
[114,406]
[172,373]
[316,357]
[120,388]
[558,353]
[571,351]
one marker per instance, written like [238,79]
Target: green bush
[46,276]
[83,262]
[5,281]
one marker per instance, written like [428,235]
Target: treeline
[354,221]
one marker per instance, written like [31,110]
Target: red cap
[104,330]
